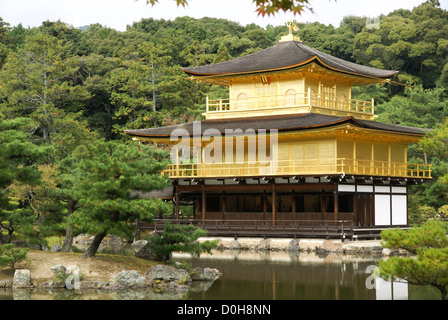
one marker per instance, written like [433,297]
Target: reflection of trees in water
[294,280]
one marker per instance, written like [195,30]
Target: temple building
[289,152]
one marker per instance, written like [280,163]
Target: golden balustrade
[304,99]
[300,167]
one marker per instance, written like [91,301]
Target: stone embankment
[303,245]
[162,278]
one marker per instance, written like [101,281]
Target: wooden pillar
[273,203]
[173,210]
[264,198]
[223,205]
[199,212]
[195,208]
[203,205]
[293,205]
[323,205]
[336,201]
[177,205]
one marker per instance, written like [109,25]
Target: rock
[176,288]
[263,245]
[328,246]
[56,248]
[234,245]
[7,283]
[389,253]
[201,286]
[59,271]
[35,246]
[115,241]
[83,285]
[167,273]
[205,274]
[371,247]
[126,279]
[22,279]
[142,250]
[51,284]
[294,245]
[20,244]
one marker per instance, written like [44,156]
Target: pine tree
[180,238]
[18,163]
[105,186]
[428,264]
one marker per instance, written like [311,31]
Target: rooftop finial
[290,37]
[292,26]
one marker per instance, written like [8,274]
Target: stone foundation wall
[306,245]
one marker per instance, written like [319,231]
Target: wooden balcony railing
[304,99]
[300,167]
[284,228]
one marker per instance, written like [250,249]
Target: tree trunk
[68,230]
[93,248]
[443,291]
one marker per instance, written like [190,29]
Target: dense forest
[67,94]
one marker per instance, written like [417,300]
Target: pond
[249,275]
[301,276]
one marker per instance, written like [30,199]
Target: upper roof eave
[284,56]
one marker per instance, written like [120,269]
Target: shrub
[10,255]
[180,238]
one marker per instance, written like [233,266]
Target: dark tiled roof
[281,123]
[285,55]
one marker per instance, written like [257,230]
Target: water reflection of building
[331,165]
[388,290]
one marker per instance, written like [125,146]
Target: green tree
[131,92]
[418,107]
[95,71]
[38,206]
[105,185]
[19,159]
[413,42]
[10,255]
[180,238]
[222,54]
[38,83]
[429,263]
[4,40]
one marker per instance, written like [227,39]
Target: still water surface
[303,276]
[265,276]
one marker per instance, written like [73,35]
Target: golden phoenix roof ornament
[290,37]
[292,26]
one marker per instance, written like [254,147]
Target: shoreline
[299,245]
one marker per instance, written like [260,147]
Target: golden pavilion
[289,153]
